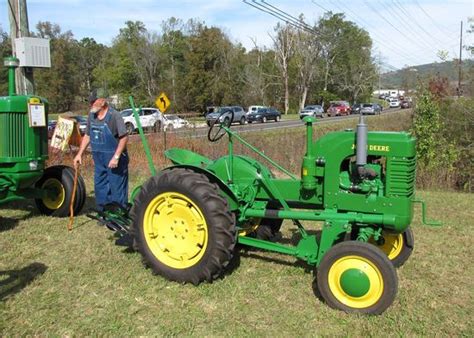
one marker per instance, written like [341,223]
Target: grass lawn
[54,282]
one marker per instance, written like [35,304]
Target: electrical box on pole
[33,52]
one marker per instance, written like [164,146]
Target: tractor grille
[401,177]
[13,127]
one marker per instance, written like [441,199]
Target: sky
[404,32]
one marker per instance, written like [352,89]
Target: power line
[413,20]
[429,17]
[373,34]
[299,20]
[279,14]
[416,43]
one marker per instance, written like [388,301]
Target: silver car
[313,110]
[239,115]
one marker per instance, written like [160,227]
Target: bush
[458,127]
[436,154]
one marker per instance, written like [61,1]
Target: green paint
[355,282]
[23,149]
[142,136]
[330,190]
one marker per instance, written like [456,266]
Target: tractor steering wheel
[227,121]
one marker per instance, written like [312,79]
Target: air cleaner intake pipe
[12,63]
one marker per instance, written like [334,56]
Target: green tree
[60,83]
[117,74]
[90,54]
[435,153]
[284,45]
[5,50]
[207,77]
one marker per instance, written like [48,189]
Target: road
[199,132]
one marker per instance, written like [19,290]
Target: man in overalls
[108,138]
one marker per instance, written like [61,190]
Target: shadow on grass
[9,223]
[13,281]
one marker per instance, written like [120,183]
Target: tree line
[199,66]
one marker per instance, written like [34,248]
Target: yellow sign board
[66,133]
[162,102]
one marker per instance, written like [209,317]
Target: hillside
[447,69]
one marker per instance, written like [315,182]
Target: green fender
[224,189]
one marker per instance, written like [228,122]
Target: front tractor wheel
[397,247]
[357,277]
[183,227]
[58,184]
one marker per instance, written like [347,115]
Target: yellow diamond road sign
[162,102]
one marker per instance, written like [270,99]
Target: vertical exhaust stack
[361,151]
[361,145]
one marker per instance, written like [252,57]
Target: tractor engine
[369,172]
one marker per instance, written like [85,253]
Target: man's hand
[77,160]
[113,163]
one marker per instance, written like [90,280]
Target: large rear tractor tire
[357,277]
[183,227]
[59,183]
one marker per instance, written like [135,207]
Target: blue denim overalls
[111,185]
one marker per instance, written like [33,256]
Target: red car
[339,108]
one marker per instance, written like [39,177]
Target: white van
[253,109]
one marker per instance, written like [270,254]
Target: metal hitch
[114,217]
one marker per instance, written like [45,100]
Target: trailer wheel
[397,247]
[183,227]
[357,277]
[59,182]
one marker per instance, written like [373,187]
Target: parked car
[338,108]
[264,114]
[394,103]
[51,127]
[355,109]
[370,109]
[150,118]
[171,122]
[312,110]
[210,109]
[406,104]
[82,121]
[239,115]
[253,109]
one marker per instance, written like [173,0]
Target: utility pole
[460,64]
[18,15]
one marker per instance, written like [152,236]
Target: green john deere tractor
[187,219]
[24,151]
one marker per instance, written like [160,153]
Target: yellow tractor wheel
[355,276]
[182,226]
